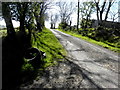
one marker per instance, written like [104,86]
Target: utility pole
[119,11]
[78,15]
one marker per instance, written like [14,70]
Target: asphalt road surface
[99,65]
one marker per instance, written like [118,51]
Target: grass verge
[48,43]
[91,40]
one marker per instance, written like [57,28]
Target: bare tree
[65,10]
[114,13]
[40,13]
[54,19]
[7,17]
[103,8]
[86,9]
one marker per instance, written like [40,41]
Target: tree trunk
[23,8]
[78,15]
[39,27]
[97,7]
[106,16]
[7,17]
[100,21]
[51,26]
[101,12]
[38,22]
[22,28]
[54,26]
[42,20]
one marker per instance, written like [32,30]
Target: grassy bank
[92,41]
[48,43]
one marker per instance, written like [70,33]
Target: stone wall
[108,24]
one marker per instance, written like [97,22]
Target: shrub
[62,25]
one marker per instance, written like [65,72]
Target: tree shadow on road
[50,77]
[85,73]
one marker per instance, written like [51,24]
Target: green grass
[48,43]
[3,33]
[92,41]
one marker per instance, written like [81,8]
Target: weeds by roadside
[101,43]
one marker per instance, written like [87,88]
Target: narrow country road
[99,65]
